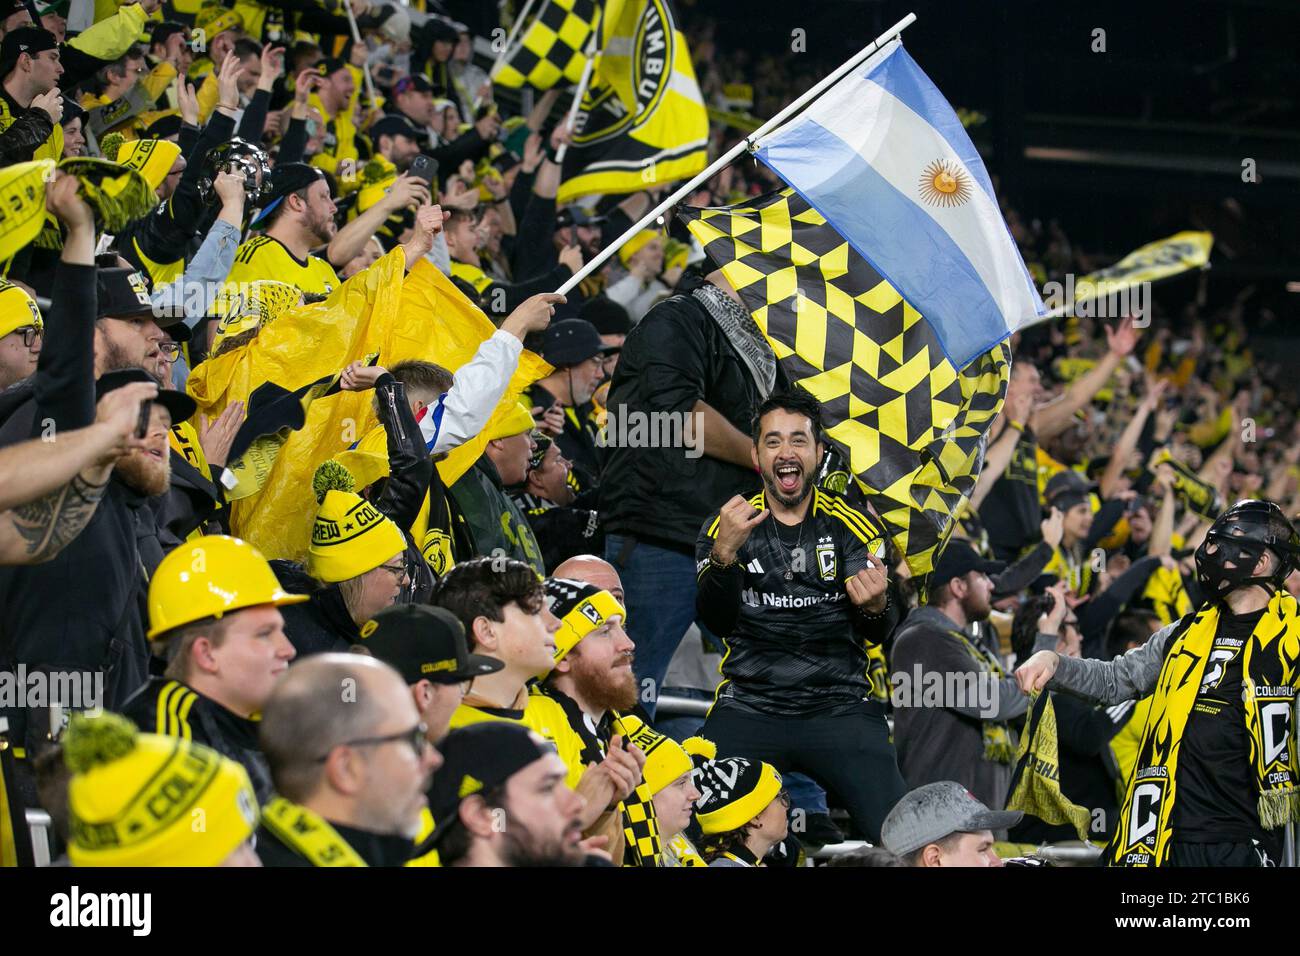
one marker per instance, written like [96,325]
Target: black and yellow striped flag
[912,426]
[553,48]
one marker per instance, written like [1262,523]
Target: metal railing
[39,825]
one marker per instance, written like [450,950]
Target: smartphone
[142,426]
[426,168]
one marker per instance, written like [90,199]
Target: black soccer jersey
[796,644]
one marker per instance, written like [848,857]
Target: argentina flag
[885,159]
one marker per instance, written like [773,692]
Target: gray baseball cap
[930,813]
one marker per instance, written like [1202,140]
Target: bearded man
[84,611]
[794,580]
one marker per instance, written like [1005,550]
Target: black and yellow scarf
[998,745]
[1270,676]
[308,834]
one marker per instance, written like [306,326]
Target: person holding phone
[795,581]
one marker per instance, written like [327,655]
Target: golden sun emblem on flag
[944,184]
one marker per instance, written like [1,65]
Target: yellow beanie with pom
[145,800]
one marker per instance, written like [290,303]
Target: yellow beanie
[17,309]
[350,537]
[154,158]
[636,244]
[665,758]
[515,422]
[581,608]
[138,799]
[675,254]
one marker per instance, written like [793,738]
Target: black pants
[1219,854]
[849,755]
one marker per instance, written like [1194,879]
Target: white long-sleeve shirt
[462,412]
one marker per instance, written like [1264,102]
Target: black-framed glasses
[400,571]
[784,796]
[416,737]
[172,350]
[30,334]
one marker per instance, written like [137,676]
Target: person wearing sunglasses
[351,761]
[21,332]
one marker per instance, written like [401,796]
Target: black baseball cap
[179,405]
[477,758]
[392,125]
[287,178]
[417,82]
[329,65]
[123,293]
[424,643]
[959,559]
[576,216]
[1067,488]
[570,342]
[30,40]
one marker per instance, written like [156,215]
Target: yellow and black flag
[553,48]
[911,425]
[643,121]
[1036,783]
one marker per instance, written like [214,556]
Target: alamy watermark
[964,690]
[67,690]
[629,428]
[1083,299]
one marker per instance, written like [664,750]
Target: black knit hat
[606,315]
[733,791]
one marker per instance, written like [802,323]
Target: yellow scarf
[308,835]
[998,746]
[1270,675]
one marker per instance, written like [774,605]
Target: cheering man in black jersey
[794,580]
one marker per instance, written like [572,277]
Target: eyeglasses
[30,334]
[399,571]
[172,350]
[784,797]
[416,737]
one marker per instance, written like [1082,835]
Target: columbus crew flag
[642,122]
[911,424]
[553,47]
[1036,783]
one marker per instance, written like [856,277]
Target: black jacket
[320,625]
[30,128]
[168,707]
[375,848]
[672,358]
[487,521]
[410,473]
[86,609]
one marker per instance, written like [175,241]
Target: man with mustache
[794,580]
[214,615]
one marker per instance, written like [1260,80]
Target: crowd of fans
[446,655]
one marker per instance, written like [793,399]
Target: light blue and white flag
[885,159]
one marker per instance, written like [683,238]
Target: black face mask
[1215,578]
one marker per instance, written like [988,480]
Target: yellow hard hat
[211,576]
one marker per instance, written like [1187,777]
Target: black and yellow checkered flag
[553,48]
[641,829]
[912,426]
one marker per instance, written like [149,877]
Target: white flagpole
[683,191]
[583,83]
[510,38]
[365,67]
